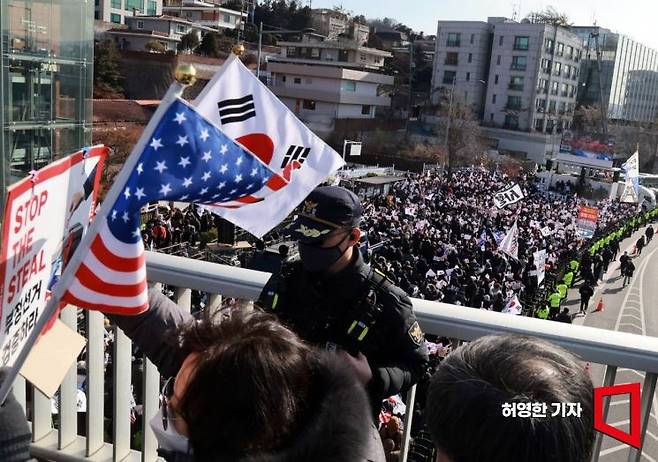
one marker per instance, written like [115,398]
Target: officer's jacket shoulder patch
[416,334]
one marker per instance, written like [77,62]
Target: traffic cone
[599,307]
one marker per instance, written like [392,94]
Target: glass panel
[136,4]
[152,8]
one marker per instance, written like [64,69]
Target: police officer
[554,301]
[332,299]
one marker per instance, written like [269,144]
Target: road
[630,309]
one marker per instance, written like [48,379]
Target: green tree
[155,47]
[188,42]
[107,75]
[209,45]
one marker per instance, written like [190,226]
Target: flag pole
[185,75]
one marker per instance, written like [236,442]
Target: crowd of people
[440,237]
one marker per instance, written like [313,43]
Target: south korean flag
[243,108]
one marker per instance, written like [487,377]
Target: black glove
[14,431]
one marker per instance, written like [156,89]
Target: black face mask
[316,259]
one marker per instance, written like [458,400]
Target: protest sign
[45,217]
[510,195]
[586,221]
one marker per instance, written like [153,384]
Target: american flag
[186,159]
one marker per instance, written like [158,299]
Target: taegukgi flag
[242,106]
[510,243]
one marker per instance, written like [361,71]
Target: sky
[635,18]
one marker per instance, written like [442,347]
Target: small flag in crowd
[186,159]
[510,243]
[513,306]
[254,117]
[482,240]
[631,185]
[507,196]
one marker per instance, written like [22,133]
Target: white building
[207,14]
[116,11]
[324,80]
[166,30]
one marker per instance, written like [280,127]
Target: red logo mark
[632,389]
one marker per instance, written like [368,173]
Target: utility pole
[260,47]
[411,76]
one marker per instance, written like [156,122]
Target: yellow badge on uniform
[416,333]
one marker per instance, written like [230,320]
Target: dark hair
[466,394]
[283,250]
[247,393]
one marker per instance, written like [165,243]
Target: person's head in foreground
[250,389]
[466,396]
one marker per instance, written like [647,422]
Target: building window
[551,106]
[550,125]
[562,108]
[309,104]
[570,52]
[548,45]
[453,39]
[511,121]
[297,80]
[491,116]
[115,18]
[513,102]
[557,68]
[291,51]
[546,65]
[363,57]
[140,24]
[554,88]
[564,90]
[452,58]
[468,76]
[500,41]
[132,5]
[498,60]
[560,48]
[542,87]
[516,83]
[449,77]
[493,99]
[348,85]
[152,9]
[540,104]
[519,63]
[283,78]
[470,57]
[116,4]
[472,39]
[567,71]
[521,43]
[496,79]
[315,52]
[365,109]
[181,29]
[539,125]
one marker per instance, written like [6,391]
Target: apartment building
[322,80]
[207,14]
[116,11]
[167,30]
[629,75]
[332,24]
[520,79]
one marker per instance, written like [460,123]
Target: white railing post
[183,298]
[95,381]
[68,412]
[648,390]
[150,401]
[122,378]
[408,421]
[41,416]
[214,303]
[608,380]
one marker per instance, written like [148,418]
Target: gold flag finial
[238,49]
[185,74]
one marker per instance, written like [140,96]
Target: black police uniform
[357,309]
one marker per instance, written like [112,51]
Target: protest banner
[586,221]
[539,258]
[45,217]
[507,196]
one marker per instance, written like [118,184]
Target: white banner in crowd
[510,195]
[540,263]
[546,231]
[631,186]
[510,243]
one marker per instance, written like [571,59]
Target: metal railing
[64,444]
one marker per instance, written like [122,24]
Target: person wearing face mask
[334,300]
[244,388]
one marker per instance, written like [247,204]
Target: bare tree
[549,15]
